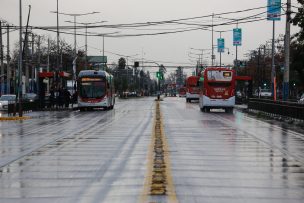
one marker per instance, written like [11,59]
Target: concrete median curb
[14,118]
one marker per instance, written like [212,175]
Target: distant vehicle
[95,90]
[182,92]
[217,89]
[301,100]
[192,86]
[30,97]
[5,100]
[171,89]
[266,93]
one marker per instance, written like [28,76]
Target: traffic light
[136,64]
[160,75]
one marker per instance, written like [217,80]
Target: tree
[298,20]
[297,47]
[122,63]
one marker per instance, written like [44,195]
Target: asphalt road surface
[102,156]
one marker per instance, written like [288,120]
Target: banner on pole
[237,37]
[221,45]
[274,10]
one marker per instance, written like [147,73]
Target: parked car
[301,100]
[5,100]
[266,93]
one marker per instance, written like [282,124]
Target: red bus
[182,92]
[217,89]
[95,90]
[192,86]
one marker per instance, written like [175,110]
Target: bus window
[92,89]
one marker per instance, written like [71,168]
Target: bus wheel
[81,109]
[202,109]
[207,109]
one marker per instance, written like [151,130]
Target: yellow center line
[169,185]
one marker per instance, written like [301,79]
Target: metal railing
[26,107]
[282,108]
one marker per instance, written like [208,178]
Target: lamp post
[103,41]
[86,36]
[202,50]
[75,48]
[128,65]
[75,15]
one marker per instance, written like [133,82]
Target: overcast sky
[173,48]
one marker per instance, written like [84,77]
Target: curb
[14,118]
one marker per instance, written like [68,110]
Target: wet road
[219,157]
[102,156]
[77,156]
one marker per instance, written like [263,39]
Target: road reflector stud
[158,181]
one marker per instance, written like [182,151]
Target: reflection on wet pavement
[101,156]
[77,156]
[219,157]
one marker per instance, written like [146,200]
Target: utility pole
[8,59]
[33,64]
[39,51]
[287,53]
[259,67]
[273,74]
[58,49]
[1,58]
[236,52]
[220,51]
[103,45]
[213,56]
[48,56]
[20,60]
[86,47]
[75,38]
[26,63]
[38,63]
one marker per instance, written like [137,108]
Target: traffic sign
[237,37]
[274,10]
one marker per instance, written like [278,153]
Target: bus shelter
[243,88]
[48,80]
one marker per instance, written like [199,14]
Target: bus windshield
[92,89]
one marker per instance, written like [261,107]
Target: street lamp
[86,37]
[128,66]
[75,15]
[221,56]
[103,35]
[75,51]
